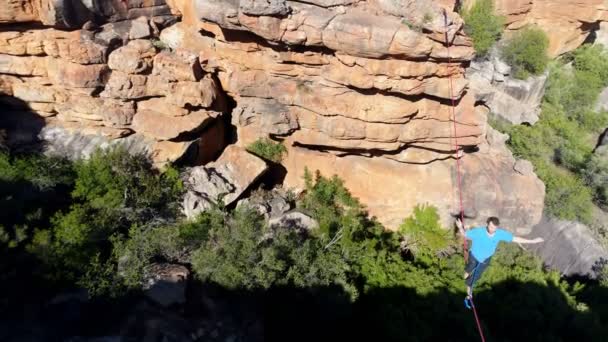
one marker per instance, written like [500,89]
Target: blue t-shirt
[484,245]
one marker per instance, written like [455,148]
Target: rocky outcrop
[270,204]
[294,220]
[567,23]
[390,189]
[69,14]
[106,83]
[569,247]
[359,91]
[222,181]
[515,101]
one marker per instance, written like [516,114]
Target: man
[485,240]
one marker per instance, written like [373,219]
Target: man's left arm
[518,239]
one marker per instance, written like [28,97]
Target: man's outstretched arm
[460,227]
[518,239]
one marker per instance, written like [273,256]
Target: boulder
[165,284]
[177,66]
[513,100]
[139,28]
[133,58]
[569,247]
[294,220]
[270,204]
[224,179]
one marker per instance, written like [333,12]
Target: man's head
[493,223]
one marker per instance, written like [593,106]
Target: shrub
[566,197]
[423,235]
[114,193]
[267,149]
[596,174]
[526,52]
[560,144]
[483,25]
[242,252]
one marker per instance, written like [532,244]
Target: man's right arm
[460,227]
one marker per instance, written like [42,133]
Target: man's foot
[468,302]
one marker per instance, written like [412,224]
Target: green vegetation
[483,25]
[561,143]
[116,217]
[73,233]
[526,52]
[423,236]
[596,174]
[159,44]
[268,149]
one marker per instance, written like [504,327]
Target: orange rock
[567,23]
[163,127]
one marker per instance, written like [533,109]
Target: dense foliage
[483,25]
[350,276]
[72,216]
[526,52]
[267,149]
[561,143]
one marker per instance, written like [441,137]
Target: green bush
[350,267]
[423,235]
[483,26]
[526,52]
[242,252]
[567,197]
[596,174]
[113,193]
[267,149]
[561,143]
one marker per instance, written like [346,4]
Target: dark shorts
[475,268]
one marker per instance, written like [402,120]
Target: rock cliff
[567,23]
[360,89]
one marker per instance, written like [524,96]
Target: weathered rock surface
[513,100]
[566,22]
[569,247]
[73,14]
[107,82]
[270,204]
[360,89]
[294,220]
[358,98]
[163,127]
[222,180]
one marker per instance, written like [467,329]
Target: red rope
[477,320]
[458,172]
[455,135]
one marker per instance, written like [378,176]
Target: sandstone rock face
[222,180]
[513,100]
[73,14]
[107,82]
[358,97]
[566,22]
[360,89]
[391,189]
